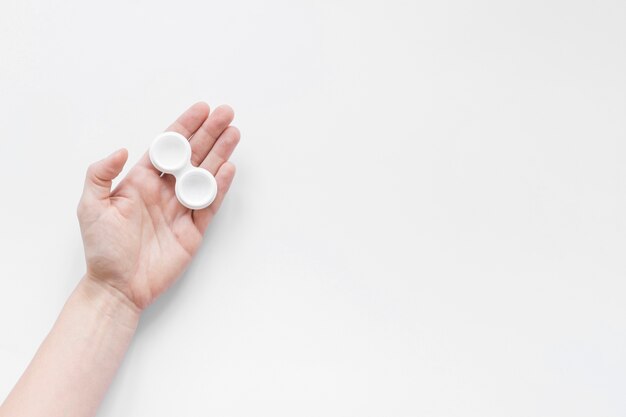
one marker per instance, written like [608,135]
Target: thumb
[100,174]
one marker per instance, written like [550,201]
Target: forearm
[75,364]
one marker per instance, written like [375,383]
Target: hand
[138,238]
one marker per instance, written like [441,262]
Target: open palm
[138,238]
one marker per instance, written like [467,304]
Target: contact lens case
[195,187]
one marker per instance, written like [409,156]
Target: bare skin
[138,239]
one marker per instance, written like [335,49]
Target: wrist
[109,302]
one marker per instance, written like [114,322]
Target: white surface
[428,217]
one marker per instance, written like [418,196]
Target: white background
[429,215]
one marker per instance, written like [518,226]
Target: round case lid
[196,188]
[170,152]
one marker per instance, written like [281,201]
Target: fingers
[191,120]
[224,178]
[209,132]
[100,175]
[187,124]
[216,162]
[222,150]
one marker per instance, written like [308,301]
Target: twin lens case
[170,153]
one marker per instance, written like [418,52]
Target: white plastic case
[196,187]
